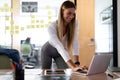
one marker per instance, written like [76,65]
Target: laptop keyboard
[82,71]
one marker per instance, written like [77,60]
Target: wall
[103,43]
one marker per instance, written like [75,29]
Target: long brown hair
[70,27]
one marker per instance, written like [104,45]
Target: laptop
[99,64]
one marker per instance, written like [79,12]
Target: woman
[63,40]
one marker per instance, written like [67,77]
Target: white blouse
[61,47]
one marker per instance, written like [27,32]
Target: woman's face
[68,14]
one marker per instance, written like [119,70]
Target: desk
[38,74]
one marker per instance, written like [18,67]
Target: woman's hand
[75,67]
[80,68]
[84,67]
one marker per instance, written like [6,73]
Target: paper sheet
[117,79]
[33,71]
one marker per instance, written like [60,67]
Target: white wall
[103,32]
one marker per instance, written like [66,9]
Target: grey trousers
[48,53]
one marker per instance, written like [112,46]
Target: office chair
[26,52]
[5,62]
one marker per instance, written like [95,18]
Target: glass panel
[27,24]
[34,25]
[5,18]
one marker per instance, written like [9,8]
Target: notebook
[99,64]
[114,69]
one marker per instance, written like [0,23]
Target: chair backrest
[5,62]
[26,49]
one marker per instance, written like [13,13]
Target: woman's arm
[72,65]
[76,46]
[76,60]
